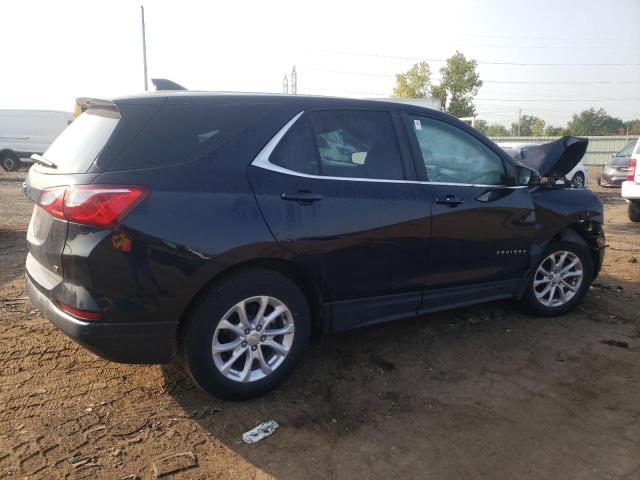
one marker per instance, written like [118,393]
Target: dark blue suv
[226,227]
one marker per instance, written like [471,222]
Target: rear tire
[567,287]
[634,211]
[10,162]
[215,333]
[578,180]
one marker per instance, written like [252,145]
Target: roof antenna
[165,84]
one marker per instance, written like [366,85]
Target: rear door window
[342,143]
[79,144]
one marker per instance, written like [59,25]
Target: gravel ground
[482,392]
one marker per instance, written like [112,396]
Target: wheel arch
[4,151]
[585,233]
[313,289]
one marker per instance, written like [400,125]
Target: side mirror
[526,176]
[613,155]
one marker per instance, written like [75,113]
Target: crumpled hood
[557,157]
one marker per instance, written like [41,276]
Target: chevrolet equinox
[228,227]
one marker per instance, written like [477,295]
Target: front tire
[578,180]
[559,280]
[245,336]
[10,162]
[634,211]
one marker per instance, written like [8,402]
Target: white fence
[598,151]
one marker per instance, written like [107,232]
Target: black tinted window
[342,143]
[296,151]
[451,155]
[182,132]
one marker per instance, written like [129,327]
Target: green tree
[460,83]
[497,130]
[537,127]
[415,83]
[551,131]
[530,125]
[594,122]
[633,126]
[493,130]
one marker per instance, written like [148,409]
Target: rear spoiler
[84,103]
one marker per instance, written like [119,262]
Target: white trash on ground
[260,432]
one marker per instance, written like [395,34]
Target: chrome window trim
[262,161]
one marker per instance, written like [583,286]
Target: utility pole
[519,119]
[294,81]
[285,84]
[144,51]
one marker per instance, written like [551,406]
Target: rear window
[627,150]
[80,143]
[179,133]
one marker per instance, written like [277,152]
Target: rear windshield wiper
[40,160]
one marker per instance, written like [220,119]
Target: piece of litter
[260,432]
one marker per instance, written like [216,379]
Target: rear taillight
[100,205]
[631,172]
[52,200]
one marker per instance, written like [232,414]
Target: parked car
[631,187]
[25,132]
[614,172]
[577,175]
[229,226]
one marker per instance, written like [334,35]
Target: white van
[25,132]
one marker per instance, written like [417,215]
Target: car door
[482,224]
[338,189]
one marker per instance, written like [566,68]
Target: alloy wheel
[253,339]
[558,278]
[578,180]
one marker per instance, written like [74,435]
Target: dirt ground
[482,392]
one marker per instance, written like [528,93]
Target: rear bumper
[610,180]
[630,190]
[143,342]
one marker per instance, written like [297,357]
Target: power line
[556,99]
[485,62]
[516,82]
[540,99]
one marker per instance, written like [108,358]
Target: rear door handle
[449,200]
[303,197]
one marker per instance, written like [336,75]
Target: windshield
[80,143]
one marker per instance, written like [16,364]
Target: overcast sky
[54,52]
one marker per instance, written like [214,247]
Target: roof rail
[164,84]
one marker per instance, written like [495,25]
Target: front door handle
[304,197]
[449,200]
